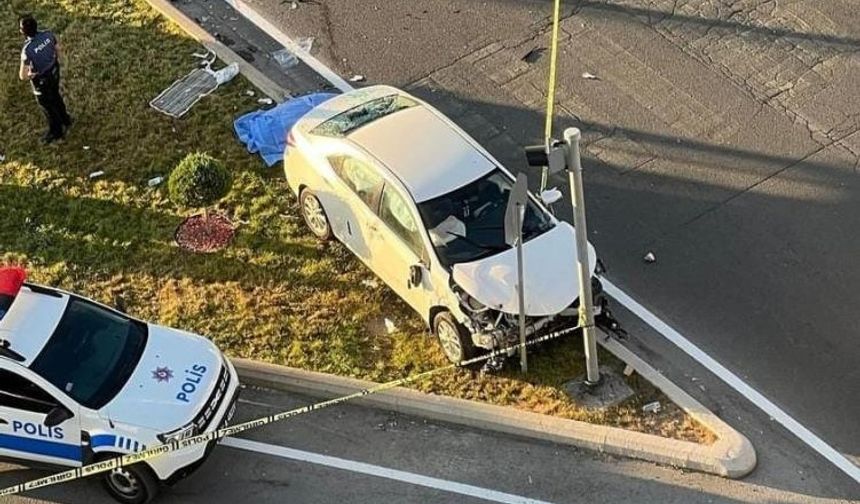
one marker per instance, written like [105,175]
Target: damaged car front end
[493,329]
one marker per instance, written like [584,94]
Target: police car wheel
[134,484]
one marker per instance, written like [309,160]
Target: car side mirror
[550,196]
[416,274]
[57,416]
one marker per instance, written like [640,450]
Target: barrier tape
[550,88]
[164,449]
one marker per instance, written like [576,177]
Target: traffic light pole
[586,307]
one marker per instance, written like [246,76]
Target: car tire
[455,340]
[314,215]
[134,484]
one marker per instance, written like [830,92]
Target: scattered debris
[590,76]
[227,73]
[372,283]
[250,92]
[286,59]
[181,95]
[652,407]
[96,174]
[265,101]
[86,147]
[531,482]
[2,158]
[356,78]
[534,55]
[201,55]
[294,5]
[155,181]
[390,327]
[628,370]
[650,257]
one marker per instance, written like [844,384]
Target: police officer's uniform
[40,54]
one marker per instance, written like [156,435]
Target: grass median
[275,294]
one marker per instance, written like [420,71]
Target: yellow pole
[550,91]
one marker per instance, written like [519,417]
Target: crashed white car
[423,204]
[81,382]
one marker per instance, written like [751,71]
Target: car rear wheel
[455,340]
[314,215]
[134,484]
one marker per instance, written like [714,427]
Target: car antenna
[6,351]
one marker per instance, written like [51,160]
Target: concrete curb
[224,53]
[732,455]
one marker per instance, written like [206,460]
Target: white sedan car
[422,205]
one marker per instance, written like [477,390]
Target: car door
[397,245]
[362,185]
[26,406]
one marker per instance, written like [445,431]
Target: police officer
[41,66]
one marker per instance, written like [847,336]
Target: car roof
[429,155]
[31,321]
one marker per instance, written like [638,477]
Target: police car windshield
[92,353]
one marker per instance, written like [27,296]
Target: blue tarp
[265,131]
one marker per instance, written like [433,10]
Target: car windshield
[469,223]
[356,117]
[92,353]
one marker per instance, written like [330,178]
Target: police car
[80,382]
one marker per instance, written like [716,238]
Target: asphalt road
[495,467]
[724,140]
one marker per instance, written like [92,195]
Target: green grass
[275,294]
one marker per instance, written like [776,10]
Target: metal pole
[524,365]
[586,308]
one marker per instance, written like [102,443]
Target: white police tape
[173,446]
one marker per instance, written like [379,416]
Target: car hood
[173,380]
[549,269]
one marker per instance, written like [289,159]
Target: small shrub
[199,181]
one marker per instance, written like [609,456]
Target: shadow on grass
[101,236]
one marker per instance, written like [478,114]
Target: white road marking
[287,42]
[255,403]
[380,472]
[754,396]
[805,435]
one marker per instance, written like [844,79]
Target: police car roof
[31,320]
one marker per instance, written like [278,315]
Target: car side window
[396,214]
[20,393]
[361,177]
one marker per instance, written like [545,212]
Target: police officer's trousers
[47,90]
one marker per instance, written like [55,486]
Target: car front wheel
[134,484]
[455,340]
[314,215]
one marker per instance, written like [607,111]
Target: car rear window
[346,122]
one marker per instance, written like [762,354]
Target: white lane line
[255,403]
[805,435]
[631,304]
[380,472]
[283,39]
